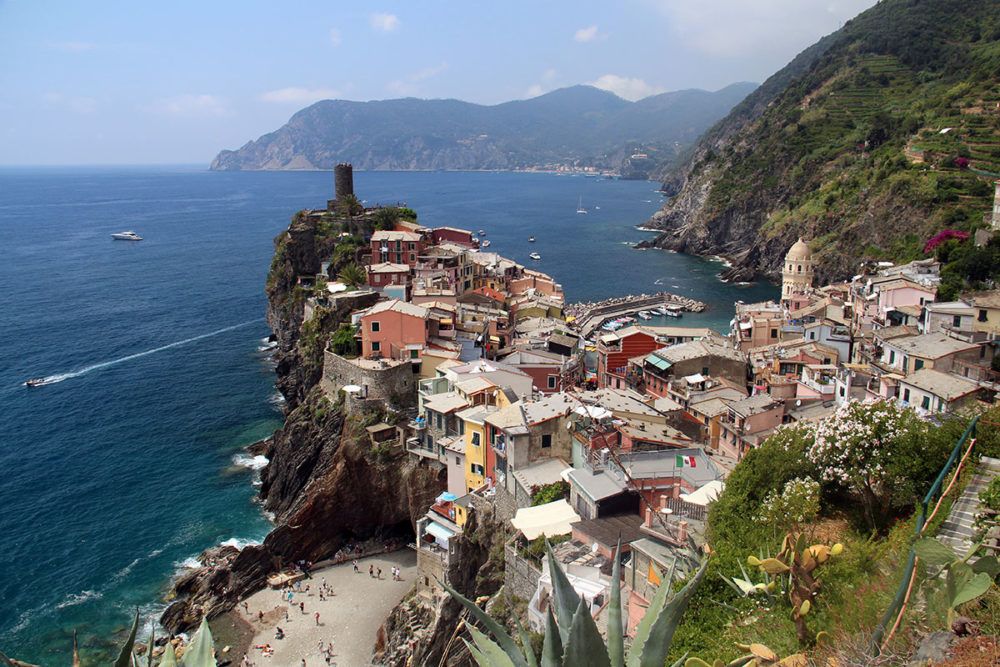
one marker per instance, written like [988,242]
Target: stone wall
[520,577]
[504,506]
[393,383]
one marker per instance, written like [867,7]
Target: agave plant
[572,637]
[199,653]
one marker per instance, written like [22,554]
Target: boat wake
[59,377]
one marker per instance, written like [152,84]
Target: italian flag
[686,462]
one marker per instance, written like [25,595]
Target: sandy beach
[350,618]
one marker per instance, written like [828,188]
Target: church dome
[799,252]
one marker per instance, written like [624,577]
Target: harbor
[590,316]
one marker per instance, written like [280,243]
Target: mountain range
[867,144]
[575,126]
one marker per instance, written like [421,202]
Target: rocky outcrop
[325,484]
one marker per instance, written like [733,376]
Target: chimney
[682,531]
[649,517]
[663,500]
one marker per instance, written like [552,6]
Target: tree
[797,504]
[876,452]
[343,341]
[353,275]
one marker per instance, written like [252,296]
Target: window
[413,246]
[956,321]
[982,316]
[413,257]
[774,333]
[414,354]
[376,346]
[800,268]
[458,461]
[438,420]
[375,326]
[812,335]
[704,370]
[892,356]
[925,403]
[552,381]
[461,428]
[476,469]
[906,395]
[475,438]
[546,441]
[842,394]
[918,364]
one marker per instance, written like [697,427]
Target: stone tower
[797,273]
[343,180]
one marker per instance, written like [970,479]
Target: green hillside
[890,134]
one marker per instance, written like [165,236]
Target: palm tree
[353,275]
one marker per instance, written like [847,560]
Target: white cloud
[737,28]
[73,103]
[385,22]
[625,87]
[409,86]
[191,105]
[334,36]
[296,95]
[588,34]
[72,46]
[534,91]
[549,74]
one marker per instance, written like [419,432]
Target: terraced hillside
[889,133]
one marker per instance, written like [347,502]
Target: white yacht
[579,207]
[485,243]
[126,236]
[535,255]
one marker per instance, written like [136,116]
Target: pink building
[748,423]
[382,275]
[397,330]
[461,237]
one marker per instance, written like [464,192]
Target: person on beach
[279,633]
[246,607]
[379,577]
[317,620]
[356,570]
[302,607]
[371,570]
[260,616]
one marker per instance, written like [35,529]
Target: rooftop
[397,306]
[389,235]
[715,347]
[447,402]
[609,529]
[947,386]
[388,267]
[932,346]
[549,407]
[596,485]
[754,405]
[983,299]
[545,471]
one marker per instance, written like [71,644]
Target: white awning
[705,494]
[694,379]
[746,325]
[439,531]
[592,411]
[550,519]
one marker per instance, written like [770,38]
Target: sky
[106,82]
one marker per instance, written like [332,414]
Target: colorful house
[397,247]
[396,329]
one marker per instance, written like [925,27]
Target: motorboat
[35,382]
[612,326]
[673,311]
[126,236]
[579,207]
[644,315]
[660,310]
[531,239]
[482,232]
[485,243]
[535,255]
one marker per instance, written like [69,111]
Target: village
[587,435]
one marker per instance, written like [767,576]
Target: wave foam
[79,598]
[239,543]
[253,462]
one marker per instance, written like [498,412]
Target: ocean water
[129,464]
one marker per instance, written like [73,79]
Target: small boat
[482,232]
[644,315]
[673,311]
[660,310]
[579,207]
[485,243]
[531,239]
[535,255]
[627,320]
[597,208]
[126,236]
[35,382]
[612,326]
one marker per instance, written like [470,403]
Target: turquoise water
[123,469]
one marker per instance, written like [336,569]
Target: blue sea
[130,463]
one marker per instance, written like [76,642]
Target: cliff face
[867,144]
[325,483]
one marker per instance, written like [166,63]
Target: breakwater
[590,315]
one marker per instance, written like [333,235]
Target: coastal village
[584,424]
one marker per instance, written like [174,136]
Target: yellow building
[476,442]
[987,306]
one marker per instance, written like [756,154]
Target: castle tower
[343,180]
[797,273]
[995,223]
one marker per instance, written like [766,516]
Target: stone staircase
[958,529]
